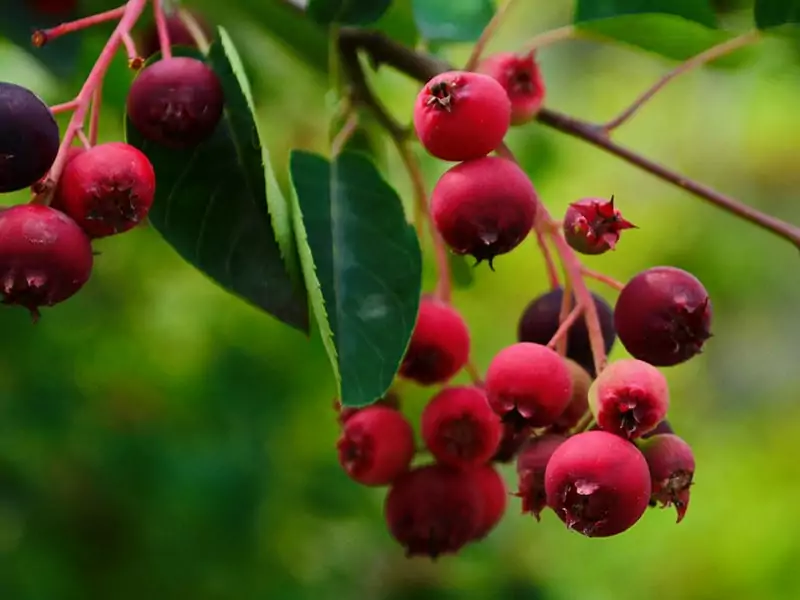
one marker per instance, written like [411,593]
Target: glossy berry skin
[593,225]
[598,483]
[629,398]
[108,189]
[529,382]
[540,321]
[45,257]
[376,445]
[390,400]
[29,137]
[484,207]
[579,401]
[439,346]
[460,428]
[176,102]
[521,78]
[434,510]
[494,495]
[514,435]
[531,465]
[663,316]
[460,115]
[179,34]
[671,463]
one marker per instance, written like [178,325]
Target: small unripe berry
[522,80]
[579,402]
[390,400]
[460,115]
[530,381]
[671,464]
[439,346]
[492,490]
[515,434]
[460,428]
[531,465]
[592,225]
[663,316]
[376,445]
[598,483]
[484,207]
[630,397]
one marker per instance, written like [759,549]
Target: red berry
[176,102]
[45,257]
[434,510]
[439,346]
[671,464]
[663,316]
[598,483]
[484,207]
[521,78]
[579,402]
[390,400]
[630,397]
[460,115]
[460,428]
[592,225]
[179,34]
[376,445]
[492,490]
[529,382]
[663,427]
[531,464]
[514,435]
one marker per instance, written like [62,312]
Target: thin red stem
[161,28]
[135,61]
[564,327]
[43,36]
[81,135]
[94,117]
[64,107]
[563,314]
[549,264]
[598,276]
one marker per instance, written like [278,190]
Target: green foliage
[776,13]
[347,12]
[698,11]
[447,21]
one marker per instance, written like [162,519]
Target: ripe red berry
[671,464]
[531,464]
[592,225]
[630,397]
[663,316]
[522,80]
[439,346]
[494,494]
[460,115]
[514,435]
[598,483]
[579,402]
[434,510]
[45,257]
[376,445]
[460,428]
[176,102]
[390,400]
[179,34]
[484,207]
[530,382]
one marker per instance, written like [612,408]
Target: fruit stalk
[486,35]
[42,37]
[161,28]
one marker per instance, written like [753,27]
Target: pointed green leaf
[347,12]
[777,13]
[451,20]
[698,11]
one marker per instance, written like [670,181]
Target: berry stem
[344,134]
[64,107]
[586,421]
[548,38]
[561,334]
[43,36]
[563,314]
[81,135]
[473,373]
[549,264]
[94,117]
[134,60]
[598,276]
[194,29]
[486,35]
[161,28]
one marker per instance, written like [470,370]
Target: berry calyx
[178,32]
[593,225]
[390,400]
[460,428]
[45,257]
[494,495]
[531,465]
[671,463]
[663,316]
[376,445]
[176,102]
[107,189]
[521,78]
[597,483]
[579,401]
[630,397]
[529,383]
[460,115]
[484,207]
[439,346]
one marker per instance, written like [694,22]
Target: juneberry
[579,402]
[671,463]
[531,464]
[494,495]
[521,78]
[593,225]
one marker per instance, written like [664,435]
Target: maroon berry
[579,402]
[494,494]
[514,435]
[484,207]
[592,225]
[598,483]
[434,510]
[108,189]
[663,316]
[671,464]
[522,80]
[460,115]
[460,428]
[528,382]
[663,427]
[439,346]
[531,464]
[45,257]
[376,445]
[176,102]
[179,34]
[390,400]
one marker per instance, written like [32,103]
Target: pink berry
[376,445]
[529,382]
[522,80]
[671,464]
[484,207]
[514,435]
[460,115]
[579,401]
[592,225]
[663,316]
[390,400]
[494,494]
[531,464]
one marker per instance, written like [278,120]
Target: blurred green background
[161,439]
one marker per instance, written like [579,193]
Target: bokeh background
[162,439]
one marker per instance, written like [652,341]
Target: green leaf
[347,12]
[398,23]
[776,13]
[219,204]
[451,20]
[363,268]
[698,11]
